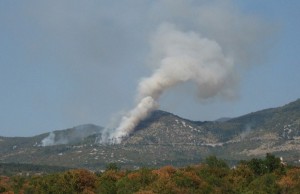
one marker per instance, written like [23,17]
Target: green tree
[214,162]
[264,184]
[240,177]
[273,163]
[112,166]
[69,182]
[258,166]
[268,165]
[108,180]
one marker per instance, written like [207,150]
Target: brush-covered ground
[267,175]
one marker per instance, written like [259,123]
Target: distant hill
[164,138]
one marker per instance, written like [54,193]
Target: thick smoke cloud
[208,45]
[188,56]
[184,56]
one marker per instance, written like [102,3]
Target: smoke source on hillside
[181,53]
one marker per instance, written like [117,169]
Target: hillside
[165,138]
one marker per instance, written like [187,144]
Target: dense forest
[267,175]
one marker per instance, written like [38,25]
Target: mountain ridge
[165,138]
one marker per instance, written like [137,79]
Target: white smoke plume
[205,43]
[141,111]
[53,139]
[72,135]
[246,131]
[49,140]
[184,56]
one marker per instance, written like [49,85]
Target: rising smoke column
[181,57]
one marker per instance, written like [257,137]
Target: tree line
[266,175]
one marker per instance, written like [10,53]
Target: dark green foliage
[258,166]
[265,184]
[214,162]
[112,166]
[272,163]
[268,165]
[2,189]
[107,186]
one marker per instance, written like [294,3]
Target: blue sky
[65,63]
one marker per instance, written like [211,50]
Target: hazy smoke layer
[72,135]
[183,56]
[49,140]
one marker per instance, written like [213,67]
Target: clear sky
[70,62]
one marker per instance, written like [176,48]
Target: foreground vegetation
[266,175]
